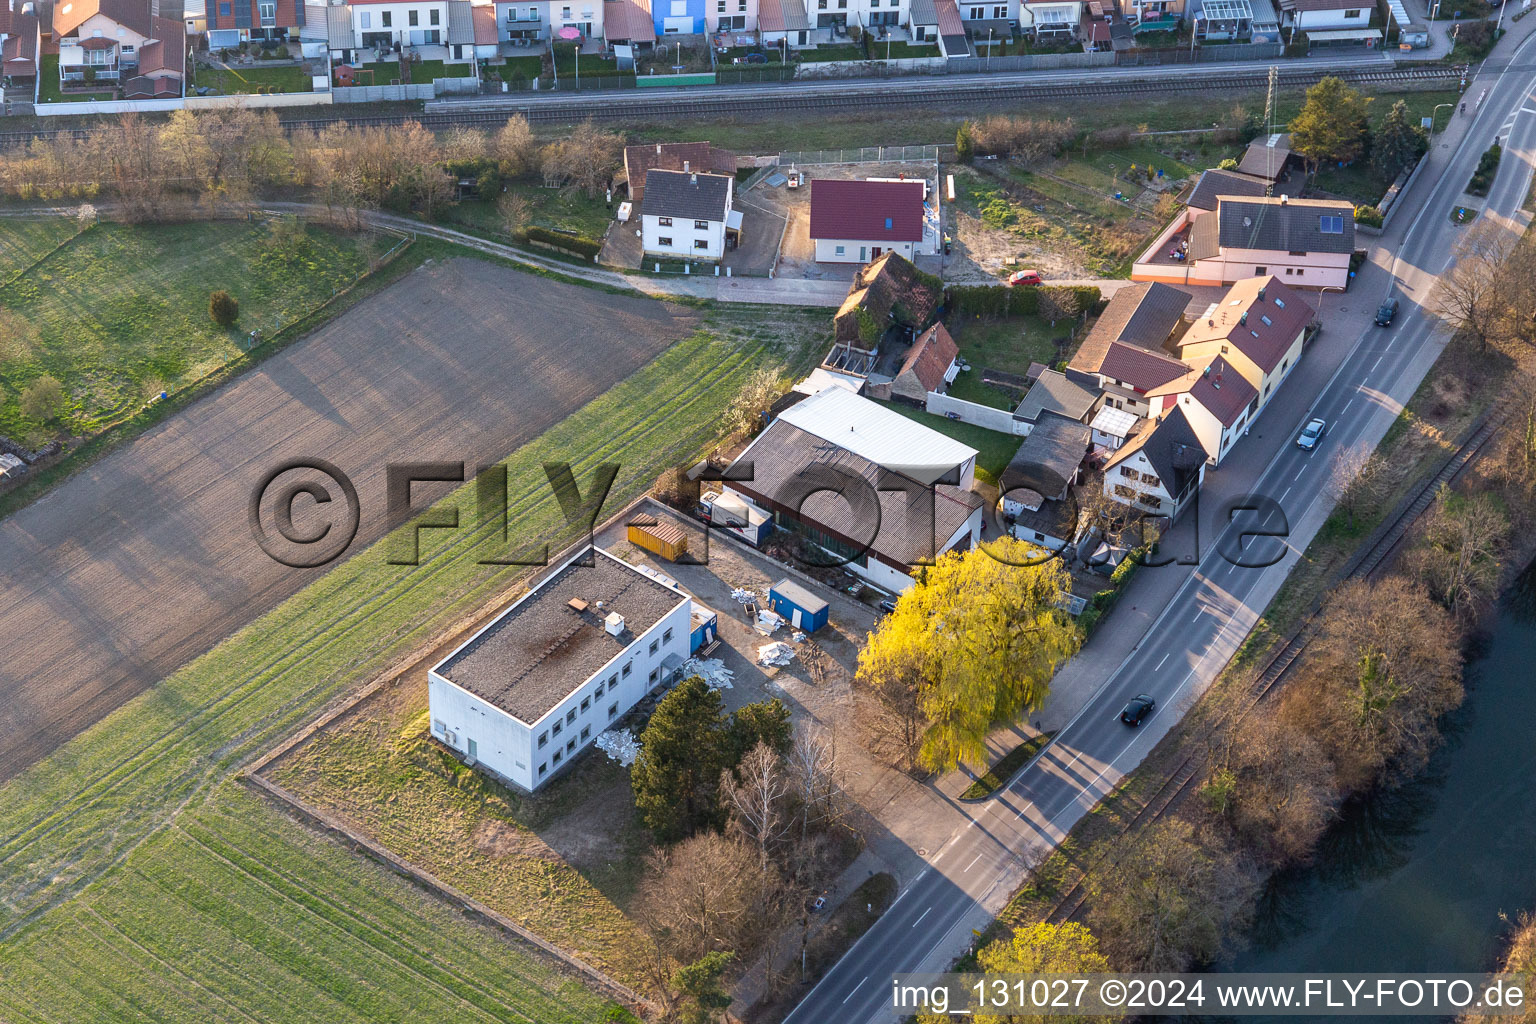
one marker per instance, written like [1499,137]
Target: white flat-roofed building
[874,432]
[536,686]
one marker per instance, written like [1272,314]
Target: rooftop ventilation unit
[614,623]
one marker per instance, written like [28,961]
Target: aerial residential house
[858,221]
[122,43]
[939,21]
[522,22]
[1258,328]
[991,20]
[879,493]
[1311,15]
[889,301]
[1127,350]
[673,156]
[1051,21]
[880,17]
[1154,15]
[731,15]
[399,24]
[929,365]
[783,23]
[20,34]
[1220,405]
[678,17]
[531,690]
[194,14]
[232,22]
[472,33]
[1160,469]
[1034,485]
[1307,243]
[685,214]
[1215,183]
[624,22]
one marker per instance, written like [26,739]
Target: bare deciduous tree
[514,147]
[757,801]
[1468,293]
[1460,555]
[1355,480]
[1373,685]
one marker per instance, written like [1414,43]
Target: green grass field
[101,827]
[994,449]
[24,242]
[249,80]
[48,85]
[120,313]
[1009,345]
[559,208]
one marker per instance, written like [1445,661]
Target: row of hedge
[1003,300]
[1102,602]
[576,245]
[1482,178]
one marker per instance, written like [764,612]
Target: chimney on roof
[685,165]
[1217,382]
[658,149]
[693,179]
[613,625]
[1261,294]
[1284,199]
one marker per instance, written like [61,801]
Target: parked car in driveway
[1385,312]
[1137,710]
[1024,278]
[1311,434]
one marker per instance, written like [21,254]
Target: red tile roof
[168,53]
[628,21]
[671,156]
[867,211]
[133,14]
[1141,368]
[1223,391]
[1260,317]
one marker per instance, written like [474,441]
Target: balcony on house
[95,59]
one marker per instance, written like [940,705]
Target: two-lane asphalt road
[968,879]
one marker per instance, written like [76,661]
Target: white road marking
[1160,664]
[972,864]
[1198,612]
[1300,471]
[1346,407]
[920,918]
[1282,496]
[1377,363]
[856,988]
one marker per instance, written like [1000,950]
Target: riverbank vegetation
[1361,708]
[1520,960]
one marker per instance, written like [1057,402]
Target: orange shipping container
[662,539]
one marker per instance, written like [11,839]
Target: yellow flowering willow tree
[970,648]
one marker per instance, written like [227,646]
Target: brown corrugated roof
[1216,183]
[168,52]
[628,21]
[1141,368]
[867,211]
[485,24]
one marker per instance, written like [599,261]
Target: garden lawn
[424,71]
[994,449]
[821,54]
[120,313]
[229,81]
[592,64]
[48,85]
[1009,345]
[272,923]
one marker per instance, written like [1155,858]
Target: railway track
[748,101]
[1362,565]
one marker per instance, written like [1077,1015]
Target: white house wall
[854,251]
[683,234]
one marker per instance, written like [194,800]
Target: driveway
[145,560]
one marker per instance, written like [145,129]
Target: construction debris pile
[620,745]
[713,671]
[775,655]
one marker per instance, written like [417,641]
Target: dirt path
[146,560]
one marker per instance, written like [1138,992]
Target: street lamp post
[1435,113]
[989,47]
[1320,291]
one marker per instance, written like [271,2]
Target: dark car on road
[1386,312]
[1137,710]
[1311,434]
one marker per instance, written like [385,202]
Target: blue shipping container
[803,609]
